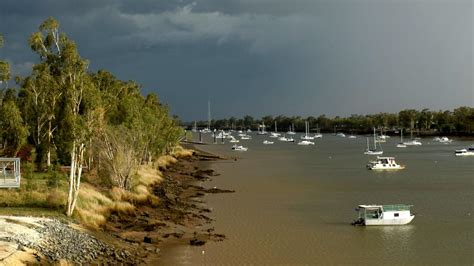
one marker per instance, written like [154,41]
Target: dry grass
[94,206]
[180,152]
[42,198]
[164,161]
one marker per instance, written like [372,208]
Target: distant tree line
[62,113]
[460,121]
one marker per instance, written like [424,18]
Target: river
[294,204]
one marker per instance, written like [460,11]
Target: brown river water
[293,205]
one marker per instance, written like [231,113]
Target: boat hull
[398,221]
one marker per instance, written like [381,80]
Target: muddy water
[294,204]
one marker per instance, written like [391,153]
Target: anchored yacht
[465,152]
[384,163]
[384,215]
[305,142]
[236,147]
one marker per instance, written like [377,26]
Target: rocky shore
[179,217]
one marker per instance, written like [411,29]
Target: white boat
[306,135]
[234,140]
[384,163]
[285,139]
[245,137]
[401,144]
[465,152]
[340,134]
[305,142]
[291,130]
[266,142]
[236,147]
[318,134]
[261,129]
[373,151]
[412,142]
[352,137]
[444,140]
[240,132]
[249,130]
[399,214]
[275,134]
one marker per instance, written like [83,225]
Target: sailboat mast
[209,114]
[375,143]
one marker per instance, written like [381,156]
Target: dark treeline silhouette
[460,122]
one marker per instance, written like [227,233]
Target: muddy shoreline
[180,217]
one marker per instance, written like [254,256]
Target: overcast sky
[267,57]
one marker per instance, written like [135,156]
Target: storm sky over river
[267,57]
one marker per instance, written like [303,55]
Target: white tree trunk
[77,158]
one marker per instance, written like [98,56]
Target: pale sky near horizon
[267,57]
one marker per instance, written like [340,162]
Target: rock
[147,239]
[196,242]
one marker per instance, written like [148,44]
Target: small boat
[318,134]
[306,135]
[384,215]
[412,142]
[291,130]
[384,163]
[465,152]
[305,142]
[352,137]
[373,151]
[340,134]
[285,139]
[275,134]
[194,127]
[236,147]
[234,140]
[245,137]
[401,144]
[443,140]
[249,130]
[261,129]
[266,142]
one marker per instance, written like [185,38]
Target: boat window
[396,215]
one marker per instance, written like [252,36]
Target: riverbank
[179,217]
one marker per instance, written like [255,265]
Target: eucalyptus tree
[62,73]
[4,68]
[46,79]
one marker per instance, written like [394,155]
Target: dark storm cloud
[267,56]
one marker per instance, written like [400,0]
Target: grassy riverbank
[162,206]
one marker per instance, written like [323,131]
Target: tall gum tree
[47,42]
